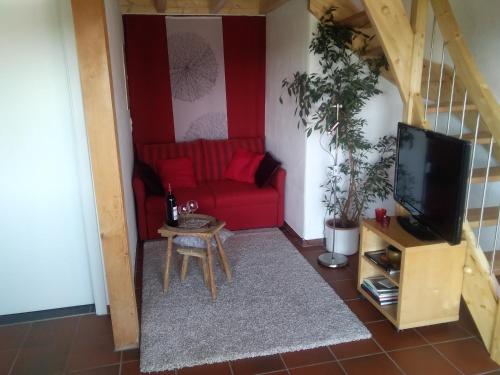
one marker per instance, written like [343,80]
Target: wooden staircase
[457,92]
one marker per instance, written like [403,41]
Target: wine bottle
[172,219]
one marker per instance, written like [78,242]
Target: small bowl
[394,255]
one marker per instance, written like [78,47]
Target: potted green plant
[346,79]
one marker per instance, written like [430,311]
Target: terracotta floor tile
[307,357]
[378,364]
[329,368]
[345,289]
[214,369]
[312,255]
[329,273]
[108,370]
[443,332]
[364,310]
[130,355]
[93,353]
[6,359]
[423,360]
[48,332]
[48,359]
[11,337]
[355,349]
[469,355]
[257,365]
[132,368]
[335,274]
[95,325]
[390,339]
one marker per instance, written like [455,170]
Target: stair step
[357,20]
[483,138]
[479,174]
[456,107]
[490,216]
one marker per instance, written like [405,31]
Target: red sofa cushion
[243,166]
[201,193]
[178,172]
[150,153]
[219,153]
[233,193]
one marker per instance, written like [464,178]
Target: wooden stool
[207,232]
[196,253]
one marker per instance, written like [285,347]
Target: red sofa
[241,205]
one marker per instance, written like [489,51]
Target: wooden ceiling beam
[344,8]
[160,5]
[215,6]
[192,7]
[266,6]
[357,20]
[393,27]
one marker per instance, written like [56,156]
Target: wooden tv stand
[430,280]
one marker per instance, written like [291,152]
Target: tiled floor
[84,345]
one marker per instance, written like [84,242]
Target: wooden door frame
[100,120]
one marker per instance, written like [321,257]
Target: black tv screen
[431,178]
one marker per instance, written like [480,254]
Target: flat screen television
[430,182]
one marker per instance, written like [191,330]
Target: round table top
[192,224]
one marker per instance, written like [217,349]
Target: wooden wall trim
[95,75]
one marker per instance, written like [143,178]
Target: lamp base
[333,260]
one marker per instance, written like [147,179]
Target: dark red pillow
[243,165]
[152,181]
[266,170]
[179,173]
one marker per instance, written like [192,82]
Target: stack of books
[381,289]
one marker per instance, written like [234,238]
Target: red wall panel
[148,79]
[146,54]
[245,66]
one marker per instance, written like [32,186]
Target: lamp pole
[334,260]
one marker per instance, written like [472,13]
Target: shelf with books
[389,311]
[429,282]
[394,277]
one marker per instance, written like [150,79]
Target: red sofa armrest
[278,182]
[140,206]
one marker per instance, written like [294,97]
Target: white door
[49,244]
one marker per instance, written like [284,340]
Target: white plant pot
[346,239]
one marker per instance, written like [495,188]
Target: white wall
[123,122]
[287,40]
[48,224]
[289,31]
[480,26]
[478,21]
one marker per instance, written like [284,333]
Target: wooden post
[95,75]
[414,109]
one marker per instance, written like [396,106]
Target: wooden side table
[201,226]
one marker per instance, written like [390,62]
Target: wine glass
[183,210]
[192,205]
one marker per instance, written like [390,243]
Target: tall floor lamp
[333,259]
